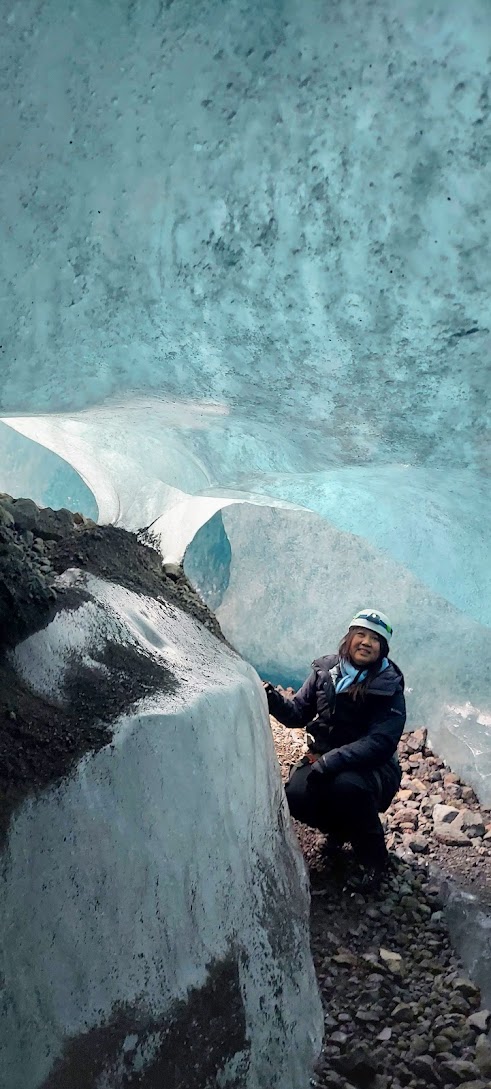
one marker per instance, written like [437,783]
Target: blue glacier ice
[245,269]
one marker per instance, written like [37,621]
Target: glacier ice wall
[245,257]
[30,469]
[153,881]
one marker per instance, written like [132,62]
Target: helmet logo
[374,618]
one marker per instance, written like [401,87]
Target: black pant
[345,806]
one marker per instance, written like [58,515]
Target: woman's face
[364,647]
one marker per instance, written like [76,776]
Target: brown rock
[417,844]
[416,741]
[445,814]
[419,786]
[444,834]
[470,822]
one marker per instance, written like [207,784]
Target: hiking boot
[332,847]
[368,879]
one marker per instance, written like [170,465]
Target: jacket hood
[384,684]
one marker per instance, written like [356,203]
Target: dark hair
[358,691]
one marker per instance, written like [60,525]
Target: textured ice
[246,259]
[163,853]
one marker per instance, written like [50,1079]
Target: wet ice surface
[469,921]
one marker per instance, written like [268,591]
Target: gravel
[399,1008]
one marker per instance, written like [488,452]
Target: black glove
[270,691]
[319,773]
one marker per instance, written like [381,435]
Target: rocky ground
[41,740]
[399,1008]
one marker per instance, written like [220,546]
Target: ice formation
[246,263]
[163,868]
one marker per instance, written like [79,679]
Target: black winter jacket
[356,734]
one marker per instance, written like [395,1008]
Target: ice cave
[245,279]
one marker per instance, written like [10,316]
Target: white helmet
[375,621]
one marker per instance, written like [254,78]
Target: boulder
[53,525]
[25,513]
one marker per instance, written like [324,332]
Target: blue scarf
[349,673]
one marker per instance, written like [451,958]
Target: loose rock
[480,1021]
[483,1055]
[450,836]
[444,814]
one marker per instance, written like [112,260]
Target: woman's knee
[349,785]
[297,783]
[350,794]
[296,793]
[301,803]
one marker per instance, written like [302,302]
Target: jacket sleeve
[298,711]
[378,745]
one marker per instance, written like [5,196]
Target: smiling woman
[352,705]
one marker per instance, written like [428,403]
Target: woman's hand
[271,693]
[319,773]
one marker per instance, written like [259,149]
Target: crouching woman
[352,705]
